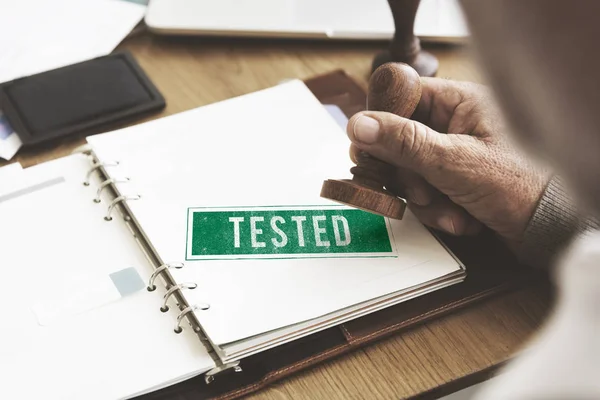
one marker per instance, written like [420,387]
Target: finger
[415,189]
[405,183]
[440,99]
[446,216]
[406,143]
[437,98]
[353,152]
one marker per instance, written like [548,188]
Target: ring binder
[151,286]
[117,201]
[161,268]
[106,183]
[185,285]
[178,329]
[95,167]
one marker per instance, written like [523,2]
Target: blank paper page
[269,149]
[40,35]
[76,324]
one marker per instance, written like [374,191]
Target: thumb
[402,142]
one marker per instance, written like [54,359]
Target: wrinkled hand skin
[456,166]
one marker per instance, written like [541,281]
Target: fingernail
[447,224]
[366,129]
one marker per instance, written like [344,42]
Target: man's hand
[456,167]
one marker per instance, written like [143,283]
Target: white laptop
[436,20]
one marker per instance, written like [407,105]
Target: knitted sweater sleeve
[555,223]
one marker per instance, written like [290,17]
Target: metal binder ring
[95,167]
[83,149]
[184,312]
[117,201]
[172,290]
[210,375]
[105,184]
[157,271]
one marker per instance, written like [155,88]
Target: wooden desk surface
[192,72]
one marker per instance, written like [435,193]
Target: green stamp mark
[286,232]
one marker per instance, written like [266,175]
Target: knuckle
[414,142]
[403,138]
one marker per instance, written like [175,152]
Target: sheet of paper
[60,258]
[261,159]
[10,143]
[40,35]
[337,114]
[82,292]
[10,171]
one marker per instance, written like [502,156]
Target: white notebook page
[270,148]
[55,250]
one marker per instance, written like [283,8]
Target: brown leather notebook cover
[491,269]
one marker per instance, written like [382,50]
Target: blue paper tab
[127,281]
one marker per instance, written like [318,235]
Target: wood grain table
[191,72]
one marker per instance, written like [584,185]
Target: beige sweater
[563,360]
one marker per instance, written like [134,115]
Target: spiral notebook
[182,246]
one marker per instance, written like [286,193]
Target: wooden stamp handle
[394,88]
[405,46]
